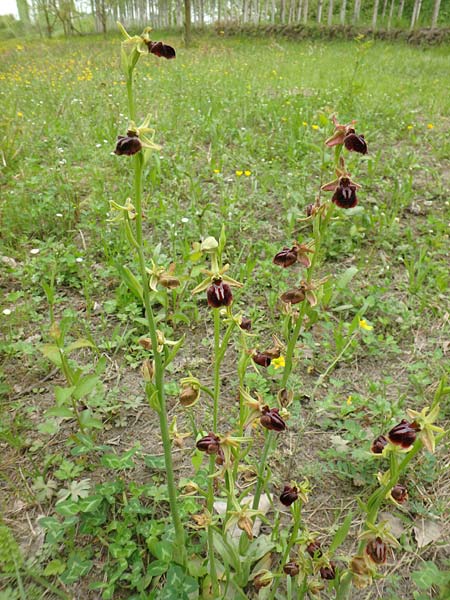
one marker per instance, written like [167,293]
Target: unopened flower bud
[146,343]
[246,524]
[328,572]
[209,443]
[219,294]
[314,549]
[263,579]
[169,281]
[404,434]
[289,495]
[189,396]
[376,549]
[379,444]
[291,568]
[128,144]
[271,419]
[148,370]
[399,493]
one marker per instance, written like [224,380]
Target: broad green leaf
[77,567]
[161,549]
[90,422]
[51,352]
[90,503]
[80,343]
[67,508]
[60,411]
[55,567]
[62,394]
[155,462]
[157,567]
[228,553]
[85,386]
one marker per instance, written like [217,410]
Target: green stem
[262,468]
[179,545]
[291,345]
[212,460]
[296,513]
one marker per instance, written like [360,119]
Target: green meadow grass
[241,126]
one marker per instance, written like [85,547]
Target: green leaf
[90,422]
[55,567]
[340,534]
[60,411]
[80,343]
[345,278]
[124,461]
[131,281]
[89,504]
[180,585]
[161,549]
[51,352]
[155,462]
[67,508]
[157,567]
[63,394]
[196,460]
[85,386]
[77,567]
[227,552]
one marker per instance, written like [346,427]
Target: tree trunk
[330,13]
[391,12]
[356,11]
[437,6]
[415,13]
[375,14]
[187,23]
[299,10]
[319,11]
[305,12]
[343,11]
[400,9]
[383,14]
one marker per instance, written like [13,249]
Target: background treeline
[49,17]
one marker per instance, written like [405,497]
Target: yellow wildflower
[247,173]
[430,126]
[410,127]
[315,127]
[305,124]
[216,171]
[364,325]
[239,173]
[349,400]
[278,362]
[20,114]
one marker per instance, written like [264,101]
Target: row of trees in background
[81,16]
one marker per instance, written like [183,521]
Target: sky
[8,7]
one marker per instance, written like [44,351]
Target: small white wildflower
[185,220]
[7,311]
[79,260]
[34,251]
